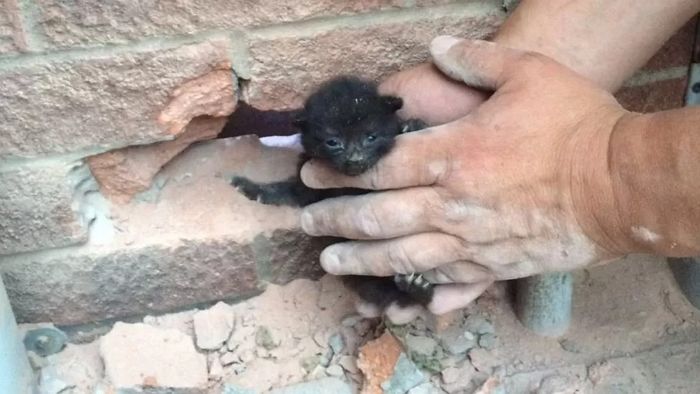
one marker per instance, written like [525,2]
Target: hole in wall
[247,119]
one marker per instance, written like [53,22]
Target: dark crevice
[250,120]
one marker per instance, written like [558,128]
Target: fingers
[447,298]
[418,159]
[462,271]
[414,253]
[430,95]
[478,63]
[373,216]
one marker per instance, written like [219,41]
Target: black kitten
[348,124]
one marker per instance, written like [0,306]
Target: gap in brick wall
[247,119]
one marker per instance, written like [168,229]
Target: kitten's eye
[333,143]
[371,137]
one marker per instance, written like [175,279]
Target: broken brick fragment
[197,111]
[377,360]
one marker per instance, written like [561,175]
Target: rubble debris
[233,389]
[261,374]
[425,352]
[325,385]
[457,340]
[422,345]
[212,327]
[77,367]
[264,338]
[181,321]
[241,335]
[487,341]
[311,362]
[349,363]
[335,370]
[376,360]
[425,388]
[570,346]
[478,324]
[228,358]
[51,383]
[139,355]
[405,376]
[336,343]
[482,360]
[491,386]
[458,378]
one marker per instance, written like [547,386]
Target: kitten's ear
[391,103]
[299,120]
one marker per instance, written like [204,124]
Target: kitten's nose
[356,157]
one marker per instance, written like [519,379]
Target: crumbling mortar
[25,17]
[106,50]
[237,37]
[319,25]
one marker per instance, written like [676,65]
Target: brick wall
[97,220]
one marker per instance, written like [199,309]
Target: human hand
[513,189]
[431,96]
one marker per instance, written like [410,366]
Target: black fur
[348,124]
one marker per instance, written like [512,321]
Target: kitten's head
[348,124]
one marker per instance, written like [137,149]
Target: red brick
[8,27]
[194,239]
[97,102]
[286,64]
[40,206]
[197,111]
[91,22]
[656,96]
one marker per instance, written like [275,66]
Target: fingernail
[307,223]
[441,44]
[330,260]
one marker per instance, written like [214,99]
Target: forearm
[649,199]
[604,40]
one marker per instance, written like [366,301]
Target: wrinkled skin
[510,190]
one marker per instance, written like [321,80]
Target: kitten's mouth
[354,169]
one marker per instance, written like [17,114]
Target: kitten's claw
[416,286]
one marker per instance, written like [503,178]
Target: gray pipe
[543,303]
[15,373]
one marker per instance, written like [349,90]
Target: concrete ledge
[191,239]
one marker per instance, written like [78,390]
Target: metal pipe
[543,303]
[15,373]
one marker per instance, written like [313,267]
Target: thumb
[478,63]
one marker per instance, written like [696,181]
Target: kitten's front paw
[246,187]
[416,286]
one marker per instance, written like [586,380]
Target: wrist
[653,164]
[635,186]
[596,185]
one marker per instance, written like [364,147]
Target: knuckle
[374,177]
[532,60]
[369,222]
[434,207]
[399,259]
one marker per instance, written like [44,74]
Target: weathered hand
[431,96]
[508,191]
